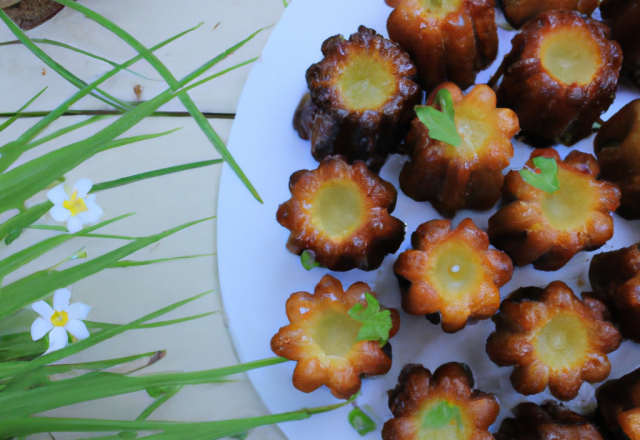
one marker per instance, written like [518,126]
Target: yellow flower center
[59,319]
[75,204]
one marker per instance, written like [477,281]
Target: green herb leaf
[361,422]
[308,260]
[441,125]
[547,178]
[444,98]
[376,324]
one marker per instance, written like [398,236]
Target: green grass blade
[99,385]
[23,257]
[36,286]
[175,321]
[29,216]
[64,131]
[155,173]
[107,99]
[133,139]
[202,122]
[75,49]
[132,263]
[24,218]
[157,403]
[179,431]
[17,115]
[148,359]
[16,146]
[216,75]
[9,369]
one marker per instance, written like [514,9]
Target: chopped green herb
[444,98]
[361,422]
[441,124]
[376,324]
[547,178]
[308,260]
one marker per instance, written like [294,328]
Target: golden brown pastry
[549,229]
[553,339]
[341,212]
[468,176]
[615,279]
[361,98]
[549,421]
[452,272]
[619,406]
[442,406]
[322,338]
[559,77]
[449,40]
[519,12]
[623,17]
[617,147]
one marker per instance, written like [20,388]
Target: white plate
[258,274]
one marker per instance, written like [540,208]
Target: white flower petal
[43,309]
[78,311]
[91,198]
[40,327]
[57,339]
[89,216]
[83,186]
[77,329]
[61,299]
[74,224]
[57,195]
[59,213]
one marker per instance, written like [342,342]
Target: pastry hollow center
[335,333]
[473,130]
[442,420]
[366,83]
[562,342]
[570,56]
[455,268]
[440,7]
[570,206]
[338,208]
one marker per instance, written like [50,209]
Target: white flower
[74,205]
[59,320]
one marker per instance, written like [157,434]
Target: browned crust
[549,421]
[615,279]
[519,12]
[623,17]
[332,126]
[448,178]
[379,234]
[617,146]
[548,110]
[421,297]
[521,230]
[452,382]
[618,396]
[454,47]
[342,375]
[32,13]
[523,314]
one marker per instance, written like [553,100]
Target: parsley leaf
[308,260]
[547,178]
[441,125]
[361,422]
[376,324]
